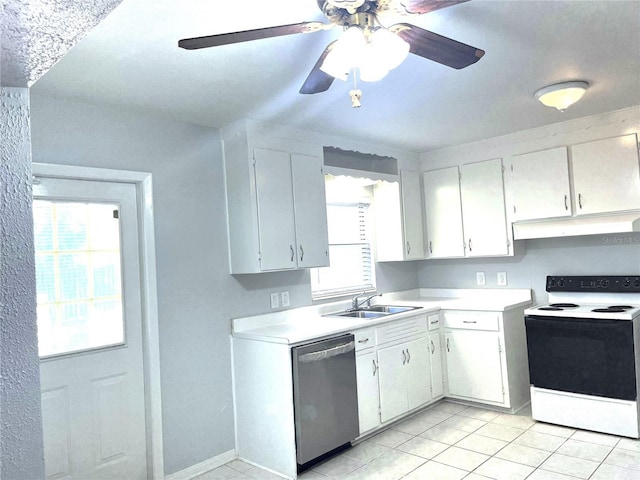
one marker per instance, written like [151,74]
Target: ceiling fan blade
[318,81]
[426,6]
[436,47]
[248,35]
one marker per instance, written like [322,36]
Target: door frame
[148,287]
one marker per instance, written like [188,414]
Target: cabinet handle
[292,252]
[566,205]
[469,321]
[430,247]
[301,253]
[404,357]
[580,200]
[408,248]
[448,349]
[434,322]
[408,356]
[364,340]
[375,367]
[470,249]
[433,347]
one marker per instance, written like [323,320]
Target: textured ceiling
[131,60]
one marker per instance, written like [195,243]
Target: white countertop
[304,324]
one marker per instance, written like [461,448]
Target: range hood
[572,226]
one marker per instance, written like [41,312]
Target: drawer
[365,338]
[434,321]
[399,330]
[473,320]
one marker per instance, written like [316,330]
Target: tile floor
[451,441]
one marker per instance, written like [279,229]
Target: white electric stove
[583,348]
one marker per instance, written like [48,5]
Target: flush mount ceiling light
[562,95]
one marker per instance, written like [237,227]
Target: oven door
[587,356]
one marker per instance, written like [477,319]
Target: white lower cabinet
[368,391]
[436,366]
[486,357]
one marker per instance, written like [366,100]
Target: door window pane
[78,276]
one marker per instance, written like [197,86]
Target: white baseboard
[203,467]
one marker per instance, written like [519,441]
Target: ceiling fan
[365,40]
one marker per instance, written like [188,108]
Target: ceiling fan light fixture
[345,53]
[389,48]
[561,95]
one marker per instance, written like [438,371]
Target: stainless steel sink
[360,314]
[389,308]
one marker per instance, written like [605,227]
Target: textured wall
[38,33]
[21,449]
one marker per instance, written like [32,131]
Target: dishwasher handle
[328,353]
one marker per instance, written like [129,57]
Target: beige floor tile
[460,458]
[576,467]
[435,470]
[540,440]
[480,444]
[338,467]
[452,407]
[466,424]
[311,475]
[391,438]
[423,447]
[475,476]
[500,469]
[500,432]
[444,434]
[260,474]
[548,475]
[624,458]
[434,416]
[244,476]
[239,465]
[219,473]
[523,454]
[517,421]
[366,451]
[629,444]
[414,425]
[479,413]
[557,430]
[593,437]
[586,450]
[611,472]
[391,466]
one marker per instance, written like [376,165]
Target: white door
[393,382]
[418,373]
[368,396]
[412,215]
[437,378]
[90,329]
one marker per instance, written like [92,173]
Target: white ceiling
[132,60]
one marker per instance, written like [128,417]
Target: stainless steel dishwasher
[325,397]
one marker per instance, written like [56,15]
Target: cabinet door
[606,175]
[540,185]
[483,209]
[418,373]
[310,203]
[443,212]
[393,384]
[474,367]
[437,377]
[368,397]
[276,225]
[412,215]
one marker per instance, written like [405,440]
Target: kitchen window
[349,221]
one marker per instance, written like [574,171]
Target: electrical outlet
[502,278]
[480,280]
[285,299]
[275,303]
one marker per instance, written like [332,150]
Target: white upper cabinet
[483,209]
[443,212]
[540,185]
[276,205]
[398,211]
[606,175]
[466,212]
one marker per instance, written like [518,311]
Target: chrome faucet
[355,304]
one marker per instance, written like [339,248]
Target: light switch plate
[480,280]
[285,299]
[275,303]
[502,278]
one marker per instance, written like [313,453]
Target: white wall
[197,296]
[596,255]
[21,448]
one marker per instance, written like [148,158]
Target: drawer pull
[469,321]
[434,322]
[364,340]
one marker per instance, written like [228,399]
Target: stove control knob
[626,283]
[636,283]
[561,283]
[605,283]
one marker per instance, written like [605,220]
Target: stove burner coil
[564,305]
